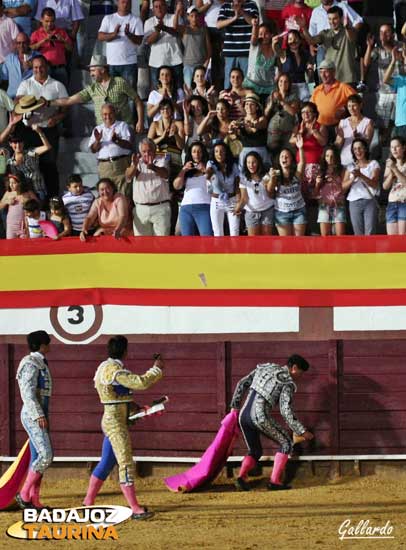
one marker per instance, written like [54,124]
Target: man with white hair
[111,141]
[149,176]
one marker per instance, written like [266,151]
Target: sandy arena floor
[307,517]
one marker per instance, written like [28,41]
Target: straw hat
[253,98]
[28,103]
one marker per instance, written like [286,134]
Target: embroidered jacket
[274,383]
[114,383]
[35,383]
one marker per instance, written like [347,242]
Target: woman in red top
[314,140]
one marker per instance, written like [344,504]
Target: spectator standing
[108,89]
[297,8]
[149,175]
[18,65]
[235,19]
[48,117]
[196,44]
[261,61]
[54,44]
[161,34]
[122,31]
[8,33]
[330,97]
[21,11]
[395,182]
[112,144]
[211,10]
[398,85]
[16,195]
[77,200]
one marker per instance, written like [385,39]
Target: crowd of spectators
[281,118]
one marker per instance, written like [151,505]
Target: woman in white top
[361,179]
[194,215]
[395,181]
[166,90]
[257,192]
[355,126]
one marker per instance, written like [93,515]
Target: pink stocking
[279,464]
[247,465]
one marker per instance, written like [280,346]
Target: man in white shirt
[8,33]
[148,174]
[111,142]
[40,84]
[122,33]
[162,36]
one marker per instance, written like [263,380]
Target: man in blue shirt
[17,66]
[21,12]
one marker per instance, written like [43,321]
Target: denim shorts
[287,218]
[331,214]
[265,217]
[395,212]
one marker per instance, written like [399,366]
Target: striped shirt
[78,207]
[237,37]
[118,93]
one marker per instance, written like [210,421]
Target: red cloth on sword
[213,460]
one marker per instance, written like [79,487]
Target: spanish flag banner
[204,271]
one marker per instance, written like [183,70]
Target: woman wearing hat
[251,130]
[27,160]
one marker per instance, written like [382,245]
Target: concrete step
[77,163]
[74,145]
[82,119]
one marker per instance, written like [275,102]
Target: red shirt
[53,50]
[290,11]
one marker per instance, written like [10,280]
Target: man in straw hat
[107,89]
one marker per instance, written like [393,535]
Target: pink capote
[14,477]
[213,460]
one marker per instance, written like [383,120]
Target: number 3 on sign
[76,323]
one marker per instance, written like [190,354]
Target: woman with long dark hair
[166,89]
[395,181]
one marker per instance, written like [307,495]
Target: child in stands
[59,217]
[77,201]
[33,215]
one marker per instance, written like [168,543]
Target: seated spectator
[195,110]
[17,193]
[111,142]
[297,62]
[47,116]
[59,217]
[260,76]
[281,110]
[330,97]
[332,211]
[376,60]
[77,201]
[168,135]
[123,32]
[166,89]
[32,216]
[54,44]
[290,208]
[108,89]
[18,65]
[161,34]
[251,130]
[148,175]
[339,44]
[223,178]
[109,213]
[194,215]
[361,181]
[235,18]
[216,122]
[196,45]
[201,86]
[395,182]
[8,33]
[398,85]
[235,94]
[27,159]
[21,12]
[356,125]
[257,196]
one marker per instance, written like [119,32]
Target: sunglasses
[256,188]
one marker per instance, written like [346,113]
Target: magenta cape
[14,476]
[213,460]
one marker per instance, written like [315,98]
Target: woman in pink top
[109,213]
[13,199]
